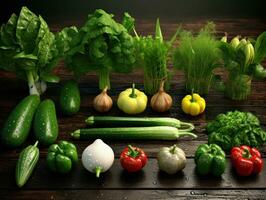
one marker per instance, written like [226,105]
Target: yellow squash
[132,101]
[193,104]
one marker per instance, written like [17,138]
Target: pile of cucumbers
[40,116]
[31,112]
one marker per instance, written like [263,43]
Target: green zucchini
[138,133]
[69,97]
[45,123]
[18,124]
[26,163]
[138,121]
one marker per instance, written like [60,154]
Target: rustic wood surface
[149,183]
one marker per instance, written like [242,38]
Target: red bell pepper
[246,160]
[133,159]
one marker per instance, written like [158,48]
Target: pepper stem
[246,154]
[133,95]
[98,170]
[36,143]
[132,153]
[172,151]
[60,150]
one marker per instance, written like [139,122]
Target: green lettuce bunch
[28,48]
[100,45]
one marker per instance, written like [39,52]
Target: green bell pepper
[61,157]
[210,159]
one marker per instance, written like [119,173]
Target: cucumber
[26,163]
[45,123]
[111,121]
[18,124]
[69,98]
[132,133]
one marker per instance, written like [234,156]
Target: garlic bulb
[161,101]
[102,102]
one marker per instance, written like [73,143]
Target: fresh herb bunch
[28,48]
[152,53]
[198,56]
[101,45]
[235,129]
[242,59]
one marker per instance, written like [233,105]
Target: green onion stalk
[152,55]
[155,68]
[198,56]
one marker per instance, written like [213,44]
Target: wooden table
[149,183]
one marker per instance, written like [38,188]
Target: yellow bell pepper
[132,101]
[193,104]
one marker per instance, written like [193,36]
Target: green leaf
[8,32]
[44,49]
[7,62]
[172,40]
[228,52]
[128,22]
[51,78]
[23,55]
[68,41]
[25,61]
[260,48]
[158,31]
[27,29]
[79,64]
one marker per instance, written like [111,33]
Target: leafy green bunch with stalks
[28,48]
[242,59]
[198,56]
[101,45]
[152,53]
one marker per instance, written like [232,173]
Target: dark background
[171,9]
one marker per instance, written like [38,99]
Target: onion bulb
[161,101]
[103,102]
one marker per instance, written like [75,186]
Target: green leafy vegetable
[28,48]
[235,129]
[198,56]
[152,53]
[100,45]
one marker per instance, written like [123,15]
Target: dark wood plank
[116,178]
[131,194]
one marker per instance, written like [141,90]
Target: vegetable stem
[189,126]
[104,79]
[76,134]
[172,151]
[132,153]
[31,83]
[133,95]
[98,171]
[246,154]
[36,143]
[185,133]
